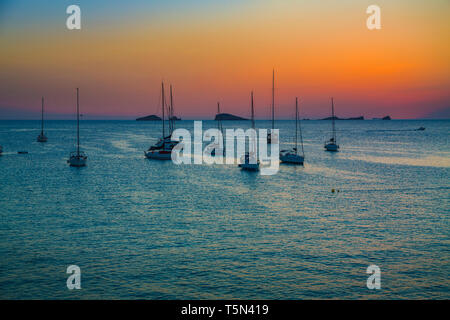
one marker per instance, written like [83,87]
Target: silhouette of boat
[331,145]
[77,158]
[162,150]
[250,161]
[41,137]
[292,156]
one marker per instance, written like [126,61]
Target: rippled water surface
[153,230]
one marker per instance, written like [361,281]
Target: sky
[214,51]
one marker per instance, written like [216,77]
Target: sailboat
[292,156]
[162,150]
[331,145]
[273,138]
[216,145]
[42,137]
[249,160]
[1,150]
[77,158]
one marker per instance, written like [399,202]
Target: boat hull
[292,158]
[332,147]
[77,161]
[41,138]
[249,166]
[158,155]
[249,162]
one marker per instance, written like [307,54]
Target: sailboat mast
[171,120]
[42,117]
[273,99]
[253,112]
[162,106]
[300,129]
[332,113]
[78,123]
[219,124]
[253,143]
[296,123]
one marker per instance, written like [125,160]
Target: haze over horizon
[219,51]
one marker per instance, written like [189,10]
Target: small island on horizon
[155,118]
[355,118]
[227,116]
[337,118]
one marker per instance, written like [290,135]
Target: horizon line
[199,119]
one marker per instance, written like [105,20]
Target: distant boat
[332,145]
[420,129]
[219,121]
[162,150]
[1,150]
[42,137]
[216,145]
[249,160]
[77,158]
[273,139]
[292,156]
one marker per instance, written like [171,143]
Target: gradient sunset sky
[221,50]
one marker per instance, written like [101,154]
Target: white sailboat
[331,145]
[249,160]
[77,158]
[41,137]
[292,156]
[274,138]
[162,150]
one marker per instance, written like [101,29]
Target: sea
[148,229]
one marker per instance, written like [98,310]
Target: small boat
[421,129]
[250,161]
[273,138]
[292,156]
[216,145]
[77,158]
[162,150]
[22,152]
[332,145]
[1,150]
[42,137]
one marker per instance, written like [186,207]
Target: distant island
[149,118]
[227,116]
[336,118]
[384,118]
[155,118]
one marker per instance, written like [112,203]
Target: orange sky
[211,51]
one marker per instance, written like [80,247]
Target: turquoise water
[146,229]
